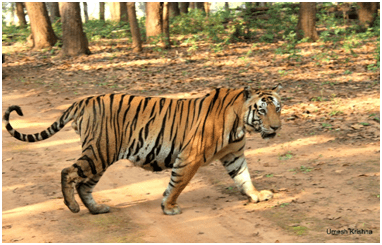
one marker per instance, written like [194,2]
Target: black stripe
[44,135]
[79,171]
[8,127]
[31,138]
[226,164]
[155,166]
[91,163]
[147,99]
[234,172]
[17,135]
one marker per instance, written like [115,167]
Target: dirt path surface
[325,173]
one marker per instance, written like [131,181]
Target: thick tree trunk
[154,22]
[118,11]
[307,21]
[166,25]
[20,14]
[54,11]
[367,13]
[174,9]
[137,42]
[226,6]
[102,11]
[184,7]
[12,13]
[207,6]
[200,5]
[192,5]
[86,12]
[42,31]
[74,39]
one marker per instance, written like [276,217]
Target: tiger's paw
[175,209]
[265,195]
[99,209]
[74,207]
[261,196]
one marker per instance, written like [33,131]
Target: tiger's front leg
[237,168]
[181,174]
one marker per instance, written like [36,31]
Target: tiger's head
[262,113]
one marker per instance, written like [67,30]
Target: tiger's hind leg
[236,166]
[85,189]
[83,176]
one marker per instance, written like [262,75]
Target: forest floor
[323,166]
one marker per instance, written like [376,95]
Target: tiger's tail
[66,117]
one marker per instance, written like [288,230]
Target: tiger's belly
[151,157]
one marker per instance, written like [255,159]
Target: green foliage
[221,28]
[286,156]
[14,33]
[97,29]
[304,169]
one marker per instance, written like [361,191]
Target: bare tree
[20,14]
[102,11]
[174,9]
[118,11]
[367,13]
[166,25]
[200,5]
[54,11]
[74,39]
[154,21]
[12,8]
[207,6]
[86,12]
[157,22]
[184,7]
[42,32]
[137,42]
[226,6]
[307,21]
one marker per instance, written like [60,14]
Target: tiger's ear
[247,92]
[277,87]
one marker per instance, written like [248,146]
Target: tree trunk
[184,7]
[54,11]
[12,8]
[174,9]
[192,5]
[137,42]
[200,5]
[307,21]
[118,11]
[207,6]
[20,14]
[367,13]
[226,6]
[42,31]
[154,22]
[102,11]
[86,12]
[166,25]
[74,39]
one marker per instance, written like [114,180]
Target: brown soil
[324,165]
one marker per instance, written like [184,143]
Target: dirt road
[320,186]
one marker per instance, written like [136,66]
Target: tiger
[158,133]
